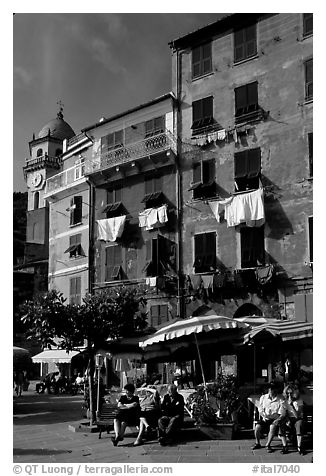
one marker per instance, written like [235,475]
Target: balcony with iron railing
[42,161]
[158,143]
[69,178]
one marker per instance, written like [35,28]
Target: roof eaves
[129,111]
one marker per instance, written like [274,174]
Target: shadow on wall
[276,219]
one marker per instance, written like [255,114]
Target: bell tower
[44,161]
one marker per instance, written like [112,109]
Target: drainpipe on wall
[180,307]
[91,227]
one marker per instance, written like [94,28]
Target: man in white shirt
[271,418]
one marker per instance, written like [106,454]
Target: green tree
[117,312]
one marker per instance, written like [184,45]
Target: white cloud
[106,55]
[22,77]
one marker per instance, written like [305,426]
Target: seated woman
[149,415]
[128,413]
[294,408]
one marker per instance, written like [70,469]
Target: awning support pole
[201,367]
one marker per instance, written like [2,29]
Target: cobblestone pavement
[42,433]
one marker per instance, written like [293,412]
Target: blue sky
[97,64]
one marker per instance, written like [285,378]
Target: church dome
[57,128]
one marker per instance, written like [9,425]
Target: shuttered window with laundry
[204,184]
[247,167]
[202,114]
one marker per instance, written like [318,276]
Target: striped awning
[286,330]
[192,325]
[59,356]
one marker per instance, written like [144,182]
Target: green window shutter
[197,172]
[252,94]
[208,171]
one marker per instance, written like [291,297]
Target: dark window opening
[307,24]
[113,263]
[58,152]
[39,153]
[247,165]
[245,43]
[308,67]
[205,252]
[76,206]
[36,200]
[310,146]
[202,60]
[310,223]
[75,291]
[159,315]
[246,102]
[252,247]
[154,126]
[202,114]
[75,248]
[204,184]
[160,257]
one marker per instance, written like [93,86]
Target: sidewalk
[41,434]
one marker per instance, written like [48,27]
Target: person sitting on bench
[172,409]
[294,413]
[149,414]
[128,413]
[271,419]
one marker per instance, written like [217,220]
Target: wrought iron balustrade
[43,159]
[108,158]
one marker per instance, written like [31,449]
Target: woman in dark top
[128,413]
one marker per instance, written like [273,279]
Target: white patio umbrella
[193,325]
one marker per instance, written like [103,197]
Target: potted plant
[215,407]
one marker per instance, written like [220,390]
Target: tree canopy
[113,313]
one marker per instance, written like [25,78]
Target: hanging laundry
[110,229]
[143,216]
[152,219]
[221,134]
[245,208]
[162,214]
[235,136]
[264,274]
[152,281]
[217,207]
[207,281]
[196,281]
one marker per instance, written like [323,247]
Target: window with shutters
[252,247]
[154,196]
[310,238]
[246,103]
[160,257]
[205,252]
[113,205]
[113,263]
[310,149]
[308,68]
[154,126]
[202,115]
[76,208]
[112,141]
[75,290]
[159,315]
[247,166]
[202,60]
[75,249]
[204,184]
[245,43]
[307,24]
